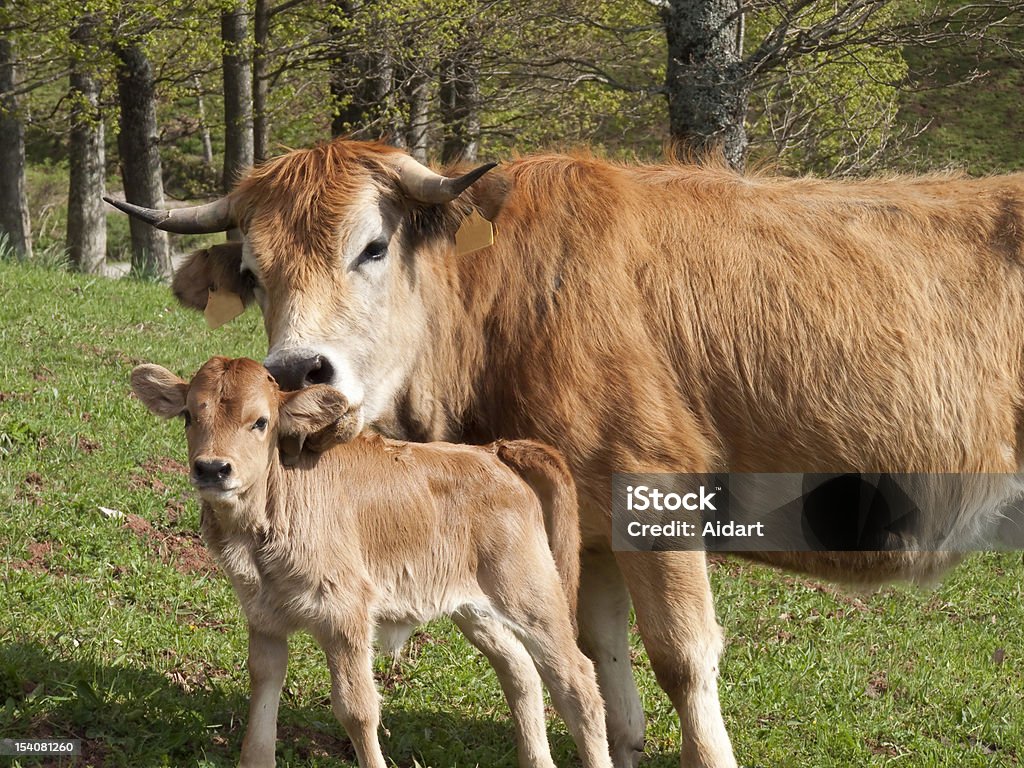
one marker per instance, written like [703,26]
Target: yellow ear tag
[474,233]
[222,307]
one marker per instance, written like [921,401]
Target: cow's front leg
[354,696]
[268,663]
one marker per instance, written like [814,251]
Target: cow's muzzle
[298,369]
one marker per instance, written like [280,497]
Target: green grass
[106,635]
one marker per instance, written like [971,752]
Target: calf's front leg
[268,663]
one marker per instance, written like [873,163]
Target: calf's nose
[296,373]
[211,470]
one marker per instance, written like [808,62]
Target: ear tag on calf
[222,307]
[474,233]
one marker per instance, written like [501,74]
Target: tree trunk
[87,220]
[417,96]
[238,124]
[204,125]
[362,83]
[459,95]
[261,82]
[137,144]
[706,82]
[14,218]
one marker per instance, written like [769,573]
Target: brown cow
[381,536]
[652,318]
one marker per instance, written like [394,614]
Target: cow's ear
[159,390]
[218,267]
[488,193]
[315,418]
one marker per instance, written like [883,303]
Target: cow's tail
[546,472]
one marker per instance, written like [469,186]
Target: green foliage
[573,75]
[827,112]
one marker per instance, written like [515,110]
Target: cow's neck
[466,358]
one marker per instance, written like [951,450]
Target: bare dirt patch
[31,489]
[148,474]
[311,743]
[877,685]
[166,464]
[43,373]
[109,356]
[194,675]
[883,748]
[39,559]
[87,445]
[183,551]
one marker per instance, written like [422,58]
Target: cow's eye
[187,417]
[375,251]
[260,423]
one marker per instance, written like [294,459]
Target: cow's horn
[194,220]
[422,184]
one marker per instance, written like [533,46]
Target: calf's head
[340,249]
[236,417]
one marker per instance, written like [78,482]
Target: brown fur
[549,477]
[376,533]
[682,319]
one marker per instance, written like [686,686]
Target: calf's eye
[260,424]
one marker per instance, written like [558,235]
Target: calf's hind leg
[538,614]
[354,696]
[519,681]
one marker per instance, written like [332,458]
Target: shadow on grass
[124,716]
[127,716]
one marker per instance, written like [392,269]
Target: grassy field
[117,631]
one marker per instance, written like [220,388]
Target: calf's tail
[546,472]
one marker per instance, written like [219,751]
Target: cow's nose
[211,470]
[296,374]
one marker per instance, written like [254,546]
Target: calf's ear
[315,418]
[159,390]
[218,267]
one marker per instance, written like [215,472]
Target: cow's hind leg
[603,617]
[676,619]
[519,681]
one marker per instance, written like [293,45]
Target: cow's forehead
[290,251]
[298,204]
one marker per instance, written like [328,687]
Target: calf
[380,535]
